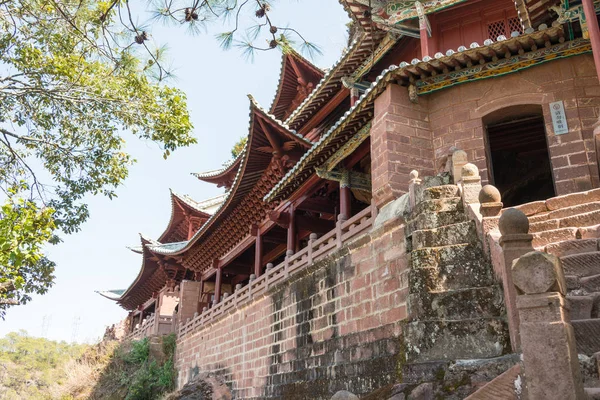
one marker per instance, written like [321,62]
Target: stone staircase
[456,310]
[569,227]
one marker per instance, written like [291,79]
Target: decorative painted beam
[348,148]
[357,180]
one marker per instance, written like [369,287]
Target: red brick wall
[335,326]
[404,134]
[401,140]
[456,116]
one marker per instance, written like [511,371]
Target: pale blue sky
[216,83]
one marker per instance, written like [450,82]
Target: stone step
[590,284]
[573,199]
[500,388]
[441,192]
[565,212]
[587,335]
[438,205]
[570,247]
[592,393]
[437,180]
[553,236]
[468,303]
[460,233]
[590,232]
[582,265]
[581,307]
[452,340]
[436,220]
[575,221]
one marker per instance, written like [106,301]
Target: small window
[504,27]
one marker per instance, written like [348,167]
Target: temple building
[393,216]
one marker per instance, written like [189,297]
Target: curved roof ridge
[347,53]
[227,168]
[187,200]
[255,108]
[283,74]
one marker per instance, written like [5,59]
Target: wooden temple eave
[222,177]
[186,217]
[431,74]
[151,278]
[331,84]
[535,12]
[297,79]
[360,12]
[271,150]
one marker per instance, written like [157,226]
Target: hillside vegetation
[37,368]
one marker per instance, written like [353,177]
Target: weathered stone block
[464,232]
[441,192]
[451,340]
[470,303]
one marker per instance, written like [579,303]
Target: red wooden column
[424,28]
[258,253]
[218,285]
[592,22]
[291,233]
[345,196]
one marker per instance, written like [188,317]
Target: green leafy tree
[70,87]
[239,147]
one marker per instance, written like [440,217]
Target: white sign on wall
[559,118]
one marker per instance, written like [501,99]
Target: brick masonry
[337,325]
[409,136]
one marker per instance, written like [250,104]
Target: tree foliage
[67,95]
[239,146]
[32,368]
[74,76]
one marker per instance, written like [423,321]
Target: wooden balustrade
[316,249]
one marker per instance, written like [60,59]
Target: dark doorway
[518,158]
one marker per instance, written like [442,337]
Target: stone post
[189,297]
[547,337]
[515,241]
[470,184]
[459,160]
[414,189]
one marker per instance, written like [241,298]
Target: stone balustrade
[316,249]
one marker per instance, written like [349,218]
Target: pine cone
[195,16]
[273,30]
[367,14]
[188,14]
[273,44]
[260,13]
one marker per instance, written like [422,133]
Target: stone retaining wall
[336,325]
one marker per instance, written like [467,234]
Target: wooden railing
[146,328]
[315,250]
[163,325]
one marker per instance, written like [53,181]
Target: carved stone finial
[513,222]
[469,170]
[252,277]
[269,266]
[289,253]
[490,201]
[238,287]
[314,236]
[414,174]
[538,272]
[489,194]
